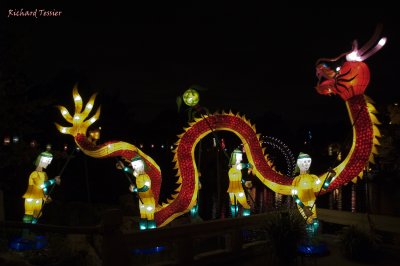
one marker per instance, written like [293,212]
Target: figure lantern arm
[128,170]
[298,201]
[47,184]
[296,197]
[246,165]
[142,189]
[329,178]
[121,166]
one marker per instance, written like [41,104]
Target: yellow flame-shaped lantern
[79,120]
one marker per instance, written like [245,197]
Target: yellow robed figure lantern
[305,187]
[37,191]
[235,189]
[145,194]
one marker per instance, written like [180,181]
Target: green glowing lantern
[191,97]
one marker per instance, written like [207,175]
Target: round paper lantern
[191,97]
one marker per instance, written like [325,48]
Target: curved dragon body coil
[348,81]
[187,170]
[364,140]
[184,200]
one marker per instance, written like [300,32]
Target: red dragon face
[346,80]
[346,75]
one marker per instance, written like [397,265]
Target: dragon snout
[326,80]
[326,87]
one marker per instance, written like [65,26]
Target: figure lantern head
[303,162]
[44,159]
[191,97]
[138,164]
[236,157]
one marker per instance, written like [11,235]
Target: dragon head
[347,75]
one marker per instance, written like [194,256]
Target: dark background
[251,59]
[256,60]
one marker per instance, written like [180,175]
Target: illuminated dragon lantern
[348,76]
[348,80]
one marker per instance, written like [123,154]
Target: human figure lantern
[37,191]
[235,189]
[145,194]
[305,187]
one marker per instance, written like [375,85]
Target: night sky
[251,60]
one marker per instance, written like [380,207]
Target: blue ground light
[145,251]
[319,249]
[22,244]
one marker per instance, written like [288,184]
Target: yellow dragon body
[349,81]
